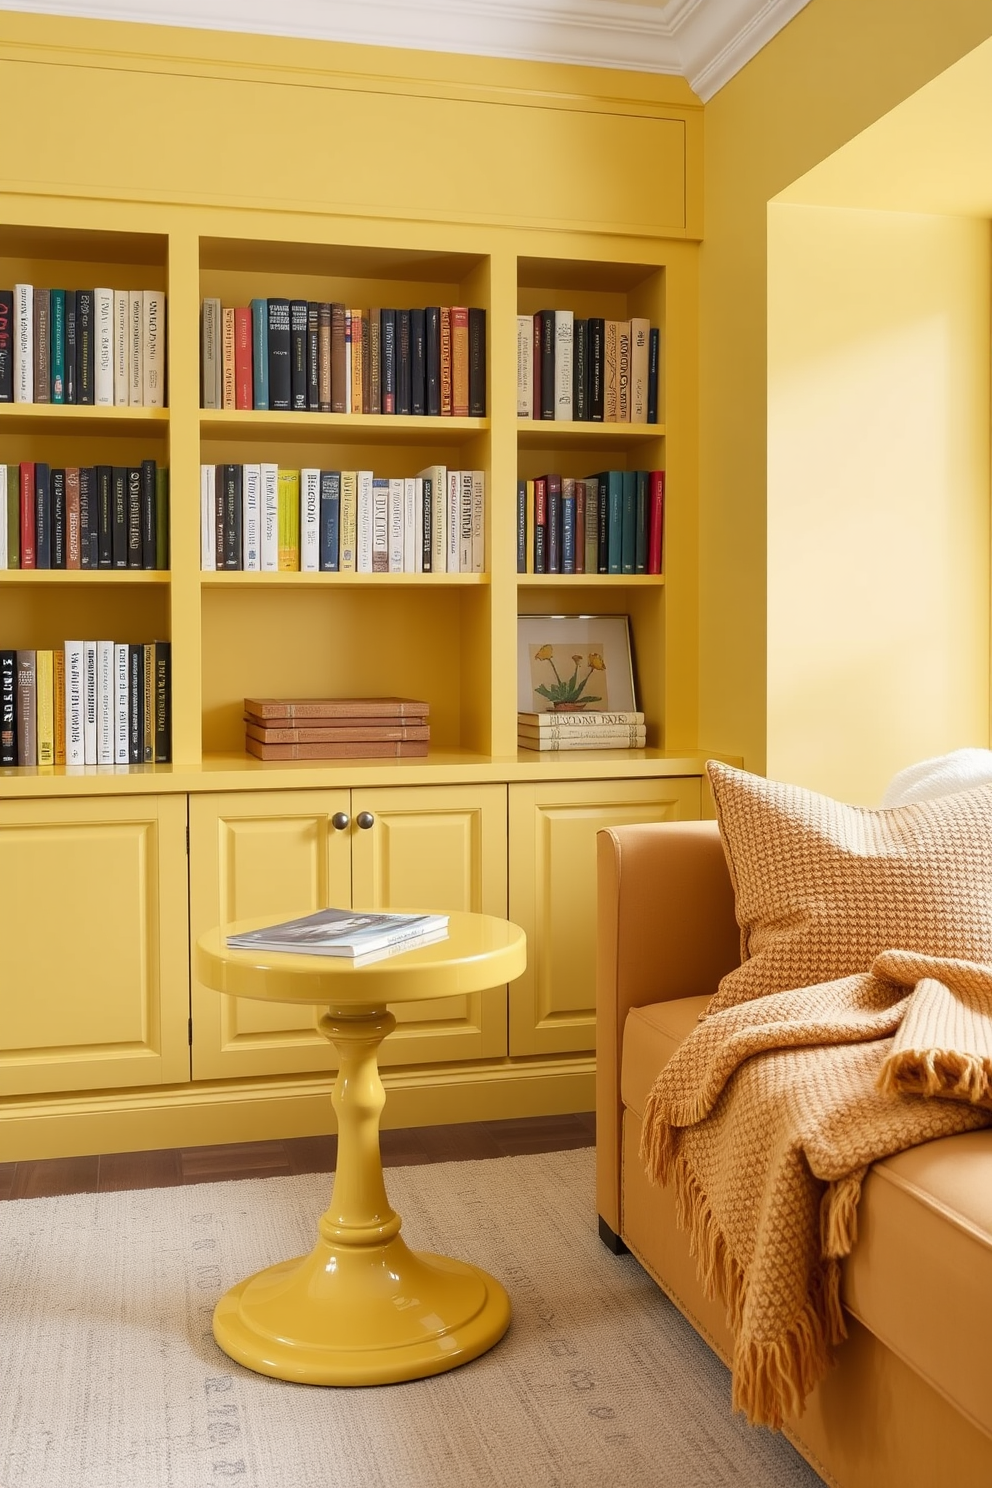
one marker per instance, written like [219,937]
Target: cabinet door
[553,897]
[262,853]
[441,848]
[94,991]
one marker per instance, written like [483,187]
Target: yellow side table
[362,1308]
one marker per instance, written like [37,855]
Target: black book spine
[476,363]
[118,509]
[71,373]
[8,707]
[85,348]
[548,365]
[58,518]
[298,362]
[134,522]
[105,516]
[313,355]
[432,360]
[387,321]
[162,703]
[597,369]
[42,516]
[89,533]
[232,515]
[580,371]
[6,347]
[219,509]
[654,353]
[135,704]
[280,376]
[603,509]
[149,533]
[330,520]
[418,362]
[427,546]
[403,370]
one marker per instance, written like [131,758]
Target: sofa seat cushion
[651,1035]
[920,1275]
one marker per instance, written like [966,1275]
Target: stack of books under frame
[585,729]
[336,728]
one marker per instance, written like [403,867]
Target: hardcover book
[339,932]
[298,353]
[280,371]
[24,343]
[153,349]
[6,346]
[459,361]
[42,341]
[122,347]
[243,392]
[294,709]
[8,708]
[103,348]
[476,362]
[27,708]
[210,354]
[57,351]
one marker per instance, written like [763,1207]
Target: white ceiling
[704,41]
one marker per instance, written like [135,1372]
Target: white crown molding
[705,41]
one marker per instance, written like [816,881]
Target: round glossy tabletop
[481,951]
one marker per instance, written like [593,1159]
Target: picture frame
[570,663]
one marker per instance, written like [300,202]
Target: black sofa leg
[610,1238]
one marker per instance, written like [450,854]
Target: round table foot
[361,1315]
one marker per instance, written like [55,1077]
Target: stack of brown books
[335,728]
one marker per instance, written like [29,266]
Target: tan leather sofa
[909,1401]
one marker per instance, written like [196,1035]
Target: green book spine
[641,523]
[12,516]
[161,517]
[628,539]
[614,507]
[57,358]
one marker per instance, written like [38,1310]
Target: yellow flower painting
[564,678]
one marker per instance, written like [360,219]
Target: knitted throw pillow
[822,888]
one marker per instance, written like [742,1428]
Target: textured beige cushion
[822,888]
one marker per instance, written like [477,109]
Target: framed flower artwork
[567,663]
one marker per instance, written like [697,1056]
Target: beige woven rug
[110,1378]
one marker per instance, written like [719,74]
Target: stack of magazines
[361,937]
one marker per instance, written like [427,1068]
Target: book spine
[209,352]
[465,522]
[233,515]
[106,689]
[309,520]
[641,504]
[413,532]
[119,510]
[387,323]
[27,708]
[6,346]
[640,334]
[580,526]
[375,360]
[42,516]
[23,343]
[358,337]
[313,355]
[452,521]
[57,352]
[269,518]
[367,362]
[614,541]
[122,348]
[656,521]
[525,366]
[404,380]
[623,371]
[135,704]
[564,336]
[134,516]
[149,523]
[370,499]
[592,525]
[162,722]
[418,362]
[229,381]
[426,563]
[58,703]
[548,381]
[243,391]
[432,359]
[625,739]
[348,545]
[136,388]
[298,360]
[654,354]
[153,349]
[71,352]
[553,519]
[395,526]
[459,361]
[289,520]
[324,356]
[330,516]
[593,719]
[89,702]
[347,360]
[251,492]
[476,362]
[597,369]
[219,515]
[580,371]
[120,704]
[208,527]
[568,533]
[74,702]
[339,359]
[280,372]
[4,534]
[540,525]
[478,521]
[610,371]
[42,341]
[25,481]
[105,516]
[89,553]
[538,323]
[259,311]
[148,704]
[58,519]
[45,711]
[86,330]
[521,526]
[103,343]
[628,529]
[161,517]
[8,708]
[445,362]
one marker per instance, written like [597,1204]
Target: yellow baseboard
[252,1111]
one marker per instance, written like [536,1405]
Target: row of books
[104,347]
[358,937]
[336,728]
[590,370]
[260,518]
[86,703]
[611,523]
[84,516]
[308,355]
[581,730]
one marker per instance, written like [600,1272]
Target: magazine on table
[344,932]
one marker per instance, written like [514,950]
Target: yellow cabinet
[553,896]
[280,853]
[93,925]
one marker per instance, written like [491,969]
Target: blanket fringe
[941,1072]
[839,1215]
[658,1142]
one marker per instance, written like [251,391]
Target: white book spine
[120,704]
[269,544]
[136,361]
[525,366]
[564,333]
[153,349]
[410,524]
[364,522]
[309,521]
[251,496]
[103,348]
[418,534]
[380,525]
[122,348]
[396,525]
[89,702]
[75,688]
[465,522]
[453,521]
[208,525]
[4,555]
[105,694]
[478,521]
[23,343]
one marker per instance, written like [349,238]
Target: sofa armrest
[666,928]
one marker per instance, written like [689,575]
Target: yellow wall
[878,492]
[835,69]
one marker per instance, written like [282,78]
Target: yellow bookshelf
[110,1059]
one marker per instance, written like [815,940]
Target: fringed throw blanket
[766,1121]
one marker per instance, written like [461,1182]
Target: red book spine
[243,389]
[27,515]
[536,365]
[656,520]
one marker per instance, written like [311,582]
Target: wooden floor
[174,1166]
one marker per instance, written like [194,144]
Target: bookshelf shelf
[65,418]
[339,428]
[60,577]
[559,433]
[589,581]
[238,579]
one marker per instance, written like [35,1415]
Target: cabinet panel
[93,924]
[271,853]
[440,848]
[553,897]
